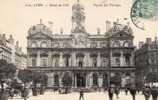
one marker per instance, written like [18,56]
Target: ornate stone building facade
[90,60]
[11,52]
[146,60]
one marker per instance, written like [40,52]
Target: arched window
[34,44]
[105,80]
[43,44]
[103,44]
[126,44]
[116,44]
[93,45]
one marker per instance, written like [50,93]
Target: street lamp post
[109,69]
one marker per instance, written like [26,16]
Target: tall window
[44,44]
[127,60]
[43,62]
[116,44]
[56,61]
[66,61]
[56,80]
[117,61]
[94,61]
[95,79]
[33,61]
[80,61]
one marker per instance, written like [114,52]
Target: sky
[17,17]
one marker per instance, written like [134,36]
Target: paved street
[75,96]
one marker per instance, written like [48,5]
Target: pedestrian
[110,93]
[146,92]
[154,93]
[11,93]
[81,95]
[25,93]
[133,92]
[126,91]
[117,91]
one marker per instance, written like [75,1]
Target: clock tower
[78,18]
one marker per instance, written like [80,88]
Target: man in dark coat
[154,93]
[133,92]
[81,95]
[146,92]
[110,93]
[117,92]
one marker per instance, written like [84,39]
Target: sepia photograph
[79,50]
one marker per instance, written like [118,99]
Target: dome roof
[39,28]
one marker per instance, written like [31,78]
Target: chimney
[11,40]
[108,25]
[98,31]
[61,30]
[50,23]
[148,40]
[4,36]
[4,39]
[140,44]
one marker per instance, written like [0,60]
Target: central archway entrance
[81,79]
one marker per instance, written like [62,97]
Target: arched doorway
[81,79]
[56,79]
[67,80]
[95,79]
[105,80]
[116,79]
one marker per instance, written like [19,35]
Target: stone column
[131,59]
[121,59]
[91,80]
[98,60]
[38,58]
[100,80]
[75,81]
[73,59]
[87,80]
[49,58]
[86,59]
[61,59]
[50,79]
[60,81]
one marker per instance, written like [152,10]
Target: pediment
[40,35]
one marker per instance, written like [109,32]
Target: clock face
[80,40]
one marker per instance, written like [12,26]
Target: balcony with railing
[77,68]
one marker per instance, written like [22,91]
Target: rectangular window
[94,61]
[33,62]
[56,61]
[44,62]
[117,61]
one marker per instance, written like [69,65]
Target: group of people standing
[146,91]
